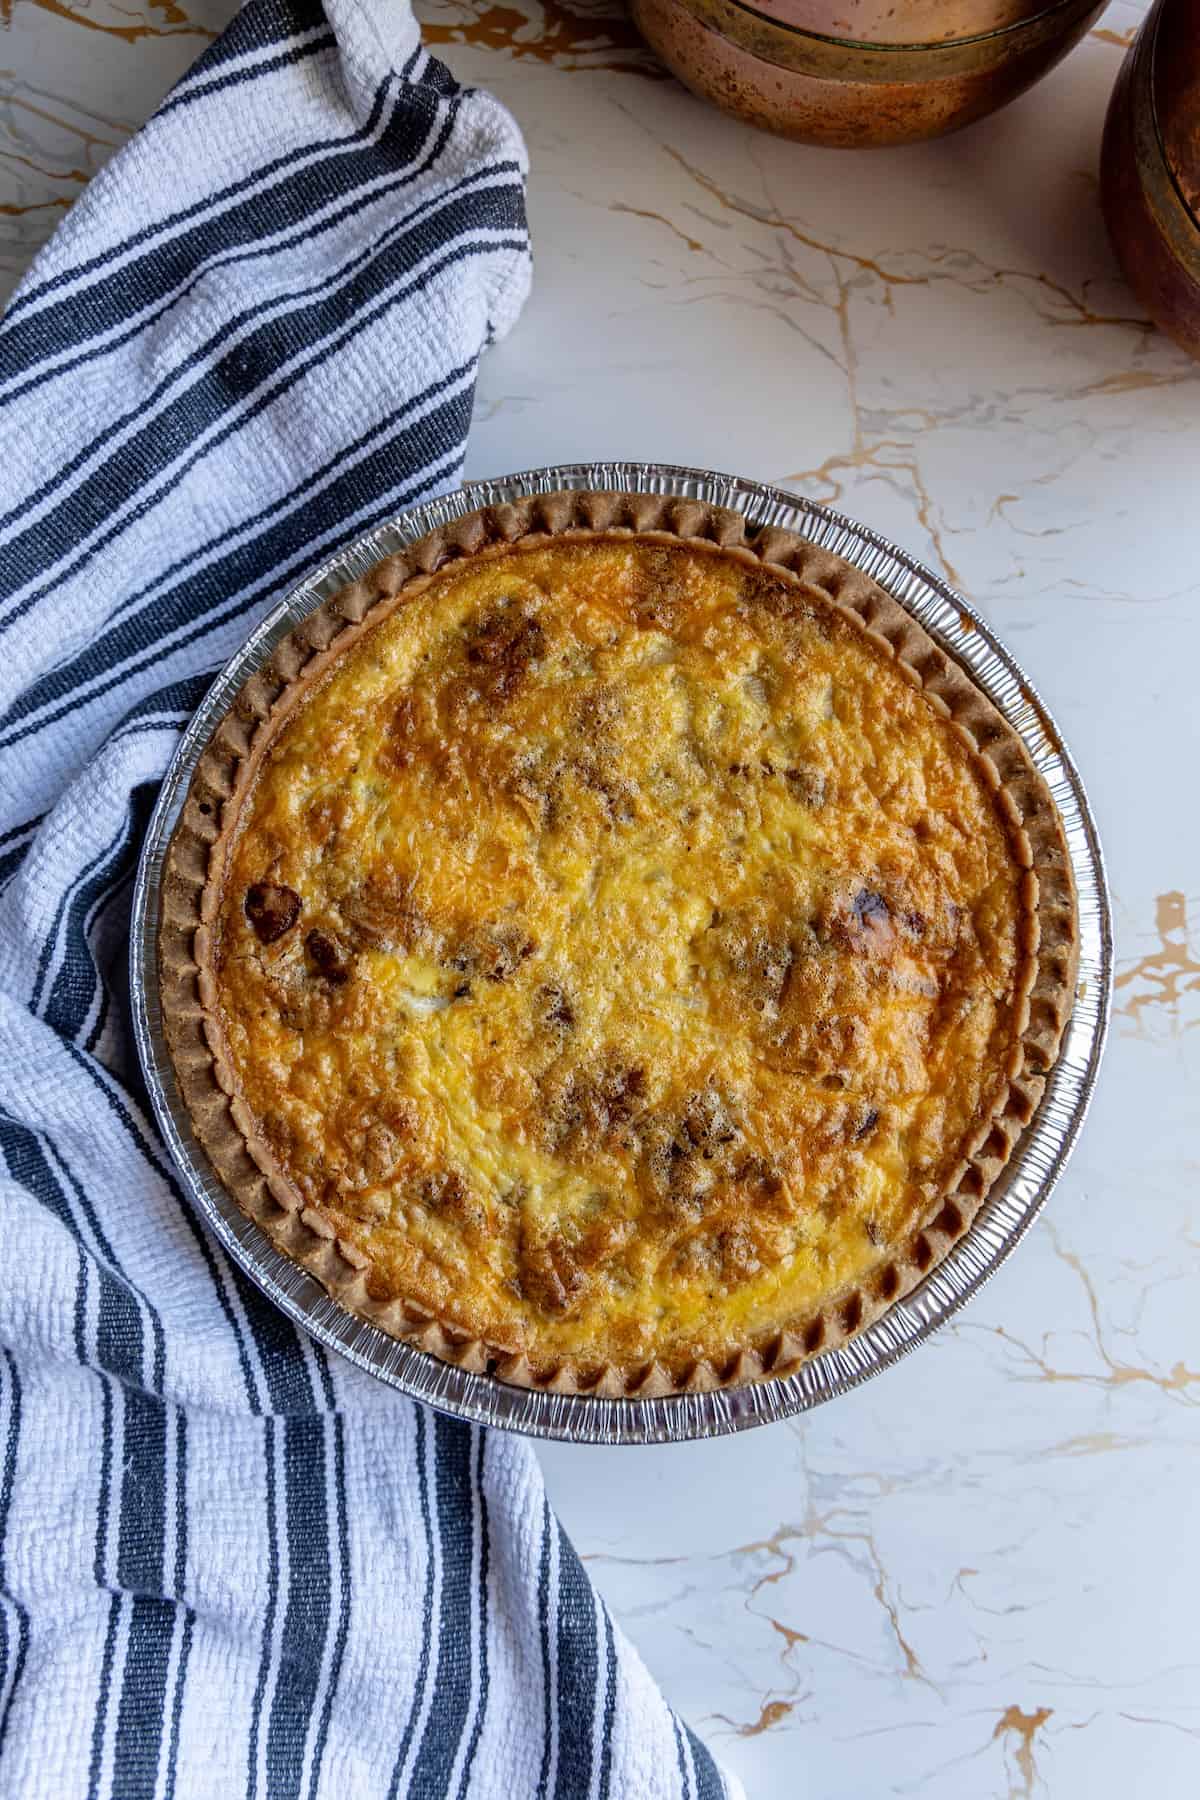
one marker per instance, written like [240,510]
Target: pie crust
[218,801]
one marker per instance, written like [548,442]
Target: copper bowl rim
[924,47]
[1175,222]
[1160,141]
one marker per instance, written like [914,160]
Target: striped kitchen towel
[229,1563]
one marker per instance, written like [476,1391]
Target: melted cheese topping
[619,951]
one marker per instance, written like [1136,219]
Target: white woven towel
[229,1563]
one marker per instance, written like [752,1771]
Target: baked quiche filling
[619,952]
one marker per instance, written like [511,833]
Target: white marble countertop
[978,1576]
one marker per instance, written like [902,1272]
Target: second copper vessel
[1150,169]
[861,72]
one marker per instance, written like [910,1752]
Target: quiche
[614,948]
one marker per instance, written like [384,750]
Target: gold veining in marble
[1023,1727]
[1113,1371]
[772,1712]
[1134,381]
[49,150]
[958,265]
[1158,993]
[642,212]
[831,1531]
[884,445]
[579,36]
[119,21]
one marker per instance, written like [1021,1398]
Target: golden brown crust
[227,772]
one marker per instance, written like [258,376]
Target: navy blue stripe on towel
[455,1519]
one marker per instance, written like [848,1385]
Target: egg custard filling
[620,953]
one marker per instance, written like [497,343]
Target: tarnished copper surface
[1150,169]
[1177,94]
[918,23]
[852,92]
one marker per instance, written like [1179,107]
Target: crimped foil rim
[1020,1192]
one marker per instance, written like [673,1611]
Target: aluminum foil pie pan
[1016,1199]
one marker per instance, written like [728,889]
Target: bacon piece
[326,957]
[271,910]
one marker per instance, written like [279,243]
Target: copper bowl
[861,72]
[1150,169]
